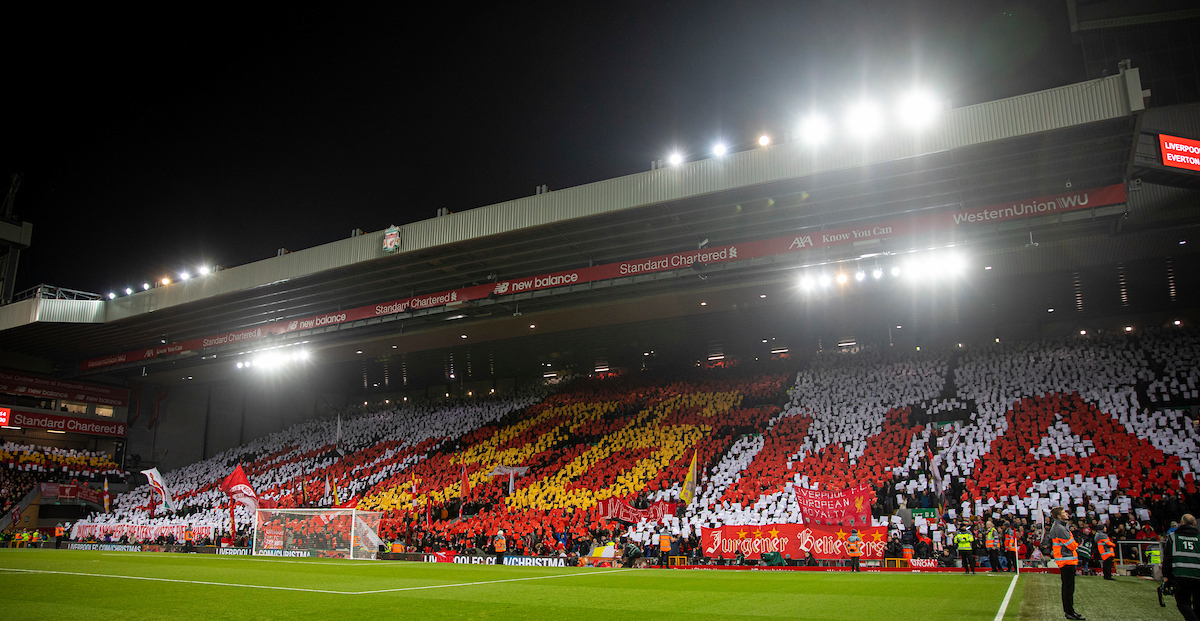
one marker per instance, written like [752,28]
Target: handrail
[50,292]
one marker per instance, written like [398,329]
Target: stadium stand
[1010,428]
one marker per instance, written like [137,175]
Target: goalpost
[325,533]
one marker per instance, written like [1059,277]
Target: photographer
[1181,566]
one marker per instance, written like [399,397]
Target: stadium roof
[1045,143]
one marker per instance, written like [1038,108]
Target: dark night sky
[154,142]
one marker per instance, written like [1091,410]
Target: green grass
[1122,600]
[321,589]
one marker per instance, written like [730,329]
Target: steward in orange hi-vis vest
[854,550]
[1064,556]
[1107,551]
[664,548]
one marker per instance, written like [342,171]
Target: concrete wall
[197,421]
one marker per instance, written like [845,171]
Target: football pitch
[60,584]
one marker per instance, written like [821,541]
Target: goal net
[325,533]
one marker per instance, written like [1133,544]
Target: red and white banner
[72,424]
[272,537]
[1179,152]
[851,506]
[825,542]
[885,229]
[55,492]
[616,509]
[28,384]
[137,532]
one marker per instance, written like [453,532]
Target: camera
[1165,588]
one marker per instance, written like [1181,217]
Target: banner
[851,507]
[55,492]
[807,240]
[825,542]
[137,532]
[71,424]
[160,488]
[616,509]
[32,385]
[272,537]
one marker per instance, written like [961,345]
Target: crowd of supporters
[999,432]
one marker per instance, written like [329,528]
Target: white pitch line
[1007,596]
[443,586]
[330,563]
[280,588]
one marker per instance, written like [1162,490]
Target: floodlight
[1178,322]
[764,140]
[128,291]
[859,276]
[863,120]
[204,270]
[185,276]
[675,159]
[1129,328]
[877,274]
[720,149]
[145,286]
[166,281]
[841,279]
[814,130]
[1083,333]
[896,271]
[806,284]
[825,280]
[112,296]
[917,109]
[239,365]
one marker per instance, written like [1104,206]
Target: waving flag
[337,443]
[160,488]
[107,498]
[689,483]
[464,491]
[239,489]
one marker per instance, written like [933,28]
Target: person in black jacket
[1181,566]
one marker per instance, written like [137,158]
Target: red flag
[238,487]
[465,489]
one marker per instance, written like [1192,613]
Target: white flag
[160,487]
[338,442]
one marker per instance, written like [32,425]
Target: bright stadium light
[877,274]
[863,120]
[917,109]
[806,284]
[184,276]
[112,296]
[204,269]
[145,286]
[896,271]
[165,281]
[824,280]
[859,276]
[814,130]
[764,140]
[841,279]
[128,291]
[720,149]
[675,159]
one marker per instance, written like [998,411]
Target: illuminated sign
[1180,152]
[4,414]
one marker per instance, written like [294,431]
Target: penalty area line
[283,588]
[1007,596]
